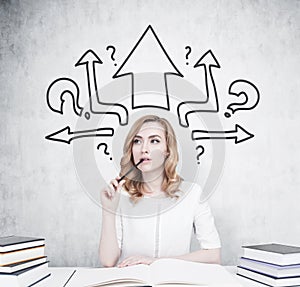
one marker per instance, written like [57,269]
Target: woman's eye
[136,141]
[155,141]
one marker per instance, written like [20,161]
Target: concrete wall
[257,196]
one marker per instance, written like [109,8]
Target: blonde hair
[134,184]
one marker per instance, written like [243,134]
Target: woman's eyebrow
[152,136]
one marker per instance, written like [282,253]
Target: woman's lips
[145,160]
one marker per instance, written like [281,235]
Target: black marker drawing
[113,52]
[199,154]
[188,53]
[211,104]
[104,150]
[248,90]
[140,55]
[150,86]
[56,92]
[90,59]
[239,134]
[66,136]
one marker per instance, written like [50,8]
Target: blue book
[268,280]
[274,270]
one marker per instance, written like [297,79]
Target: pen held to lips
[129,171]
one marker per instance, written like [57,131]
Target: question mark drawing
[188,53]
[201,152]
[113,52]
[248,90]
[105,149]
[58,91]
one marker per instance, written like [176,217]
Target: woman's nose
[145,147]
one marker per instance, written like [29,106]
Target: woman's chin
[146,169]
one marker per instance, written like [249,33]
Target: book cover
[275,248]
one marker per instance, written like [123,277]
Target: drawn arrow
[66,136]
[248,90]
[239,134]
[90,59]
[158,62]
[57,90]
[211,103]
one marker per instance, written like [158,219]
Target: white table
[60,275]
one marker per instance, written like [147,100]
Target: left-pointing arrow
[66,136]
[239,134]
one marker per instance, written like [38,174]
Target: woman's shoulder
[190,189]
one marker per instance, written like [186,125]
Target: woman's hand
[110,195]
[133,260]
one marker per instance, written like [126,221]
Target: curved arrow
[90,59]
[57,90]
[211,104]
[66,136]
[239,134]
[248,90]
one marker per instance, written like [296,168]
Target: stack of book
[22,261]
[271,264]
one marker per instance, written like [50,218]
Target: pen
[69,278]
[129,171]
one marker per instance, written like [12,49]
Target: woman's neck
[153,183]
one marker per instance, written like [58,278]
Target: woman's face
[150,145]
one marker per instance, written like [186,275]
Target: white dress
[162,227]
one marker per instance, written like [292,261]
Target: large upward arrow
[152,91]
[211,103]
[90,59]
[238,134]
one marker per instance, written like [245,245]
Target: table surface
[59,277]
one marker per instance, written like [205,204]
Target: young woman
[170,209]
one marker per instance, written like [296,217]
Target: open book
[161,272]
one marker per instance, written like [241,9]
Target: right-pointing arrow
[239,134]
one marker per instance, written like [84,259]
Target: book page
[106,276]
[174,271]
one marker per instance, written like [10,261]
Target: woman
[155,186]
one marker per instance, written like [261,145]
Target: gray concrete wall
[256,199]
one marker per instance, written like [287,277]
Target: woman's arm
[109,251]
[202,255]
